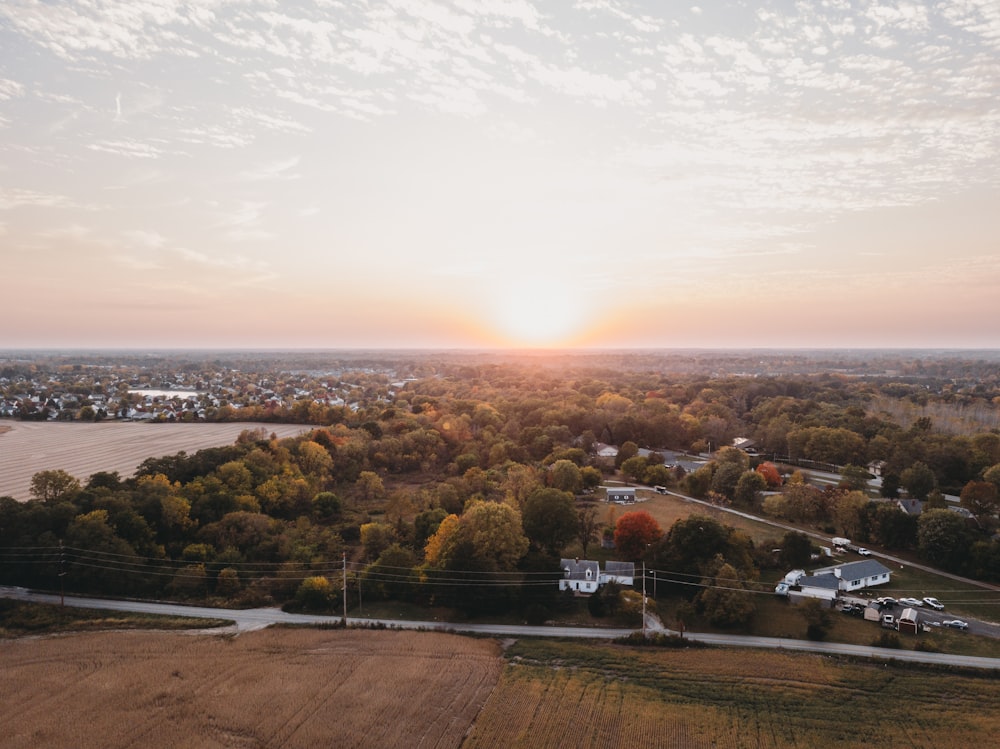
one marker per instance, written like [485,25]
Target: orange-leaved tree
[634,532]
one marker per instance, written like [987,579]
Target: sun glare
[539,312]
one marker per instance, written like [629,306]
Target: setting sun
[539,312]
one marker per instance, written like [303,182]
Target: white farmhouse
[581,576]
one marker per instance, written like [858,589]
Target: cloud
[10,89]
[11,198]
[274,170]
[130,149]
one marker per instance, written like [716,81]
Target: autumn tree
[980,498]
[770,473]
[634,532]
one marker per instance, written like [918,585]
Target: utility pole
[345,590]
[62,577]
[644,598]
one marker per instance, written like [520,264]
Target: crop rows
[288,688]
[594,696]
[82,449]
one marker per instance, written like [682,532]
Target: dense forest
[460,480]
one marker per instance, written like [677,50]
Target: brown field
[592,696]
[84,449]
[287,688]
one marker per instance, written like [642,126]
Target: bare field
[84,449]
[597,696]
[287,688]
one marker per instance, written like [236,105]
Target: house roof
[910,506]
[827,581]
[576,569]
[864,568]
[621,569]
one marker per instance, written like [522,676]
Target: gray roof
[864,568]
[620,569]
[830,582]
[576,569]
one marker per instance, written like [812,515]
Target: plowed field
[273,688]
[84,449]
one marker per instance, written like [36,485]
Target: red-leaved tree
[770,473]
[634,532]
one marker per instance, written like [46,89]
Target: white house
[823,587]
[621,495]
[827,583]
[581,576]
[622,573]
[857,575]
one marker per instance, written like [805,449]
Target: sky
[499,173]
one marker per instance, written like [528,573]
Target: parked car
[888,621]
[864,552]
[886,601]
[956,624]
[934,603]
[911,602]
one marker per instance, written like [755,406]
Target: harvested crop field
[83,449]
[595,695]
[287,688]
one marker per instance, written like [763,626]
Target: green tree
[634,468]
[370,485]
[315,594]
[54,486]
[725,478]
[627,450]
[796,550]
[944,539]
[587,527]
[376,538]
[565,476]
[818,618]
[725,600]
[918,480]
[854,478]
[550,519]
[392,575]
[749,488]
[592,477]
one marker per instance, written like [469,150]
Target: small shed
[908,621]
[622,495]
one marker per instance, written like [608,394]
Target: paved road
[251,619]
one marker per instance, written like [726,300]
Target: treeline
[471,473]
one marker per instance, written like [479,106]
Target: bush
[887,640]
[315,594]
